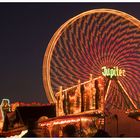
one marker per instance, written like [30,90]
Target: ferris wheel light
[107,90]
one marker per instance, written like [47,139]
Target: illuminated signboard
[111,72]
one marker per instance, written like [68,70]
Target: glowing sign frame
[111,72]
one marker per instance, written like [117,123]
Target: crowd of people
[67,132]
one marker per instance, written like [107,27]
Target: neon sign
[111,72]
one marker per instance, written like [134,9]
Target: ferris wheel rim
[57,34]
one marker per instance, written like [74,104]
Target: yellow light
[107,92]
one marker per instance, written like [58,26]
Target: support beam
[129,98]
[107,91]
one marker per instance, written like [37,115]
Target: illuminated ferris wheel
[96,40]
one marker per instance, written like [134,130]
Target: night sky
[25,31]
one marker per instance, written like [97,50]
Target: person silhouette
[101,133]
[69,131]
[31,126]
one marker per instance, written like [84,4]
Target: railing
[77,85]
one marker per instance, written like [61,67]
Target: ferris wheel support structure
[123,91]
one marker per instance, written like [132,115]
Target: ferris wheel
[93,41]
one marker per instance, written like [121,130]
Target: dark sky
[25,31]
